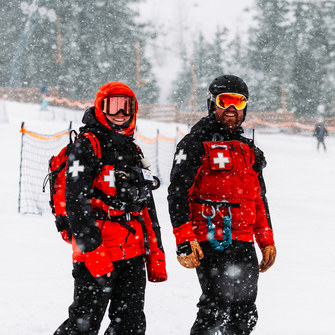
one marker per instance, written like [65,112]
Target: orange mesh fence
[159,112]
[252,124]
[43,137]
[75,103]
[37,149]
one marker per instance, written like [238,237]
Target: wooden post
[58,56]
[283,100]
[139,82]
[194,101]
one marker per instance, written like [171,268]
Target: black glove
[184,249]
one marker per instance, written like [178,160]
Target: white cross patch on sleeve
[180,156]
[110,178]
[75,168]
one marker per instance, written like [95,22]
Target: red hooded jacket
[102,231]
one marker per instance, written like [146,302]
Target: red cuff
[156,267]
[264,239]
[98,261]
[65,236]
[184,233]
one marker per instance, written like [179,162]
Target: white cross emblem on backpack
[221,160]
[75,168]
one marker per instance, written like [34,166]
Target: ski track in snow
[296,296]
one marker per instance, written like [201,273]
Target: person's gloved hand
[269,255]
[189,253]
[156,268]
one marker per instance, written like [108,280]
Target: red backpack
[57,180]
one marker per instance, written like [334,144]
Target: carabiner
[218,209]
[203,211]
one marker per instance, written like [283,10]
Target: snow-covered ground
[296,296]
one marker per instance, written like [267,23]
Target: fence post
[3,111]
[157,150]
[19,204]
[176,138]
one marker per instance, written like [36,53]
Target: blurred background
[169,51]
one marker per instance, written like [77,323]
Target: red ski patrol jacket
[110,208]
[215,174]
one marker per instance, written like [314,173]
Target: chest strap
[217,203]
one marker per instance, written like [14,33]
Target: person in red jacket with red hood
[218,208]
[112,217]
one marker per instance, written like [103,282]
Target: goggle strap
[108,105]
[211,96]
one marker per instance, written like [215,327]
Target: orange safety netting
[43,137]
[58,135]
[253,122]
[153,140]
[248,124]
[75,103]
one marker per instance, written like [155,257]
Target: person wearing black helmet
[218,208]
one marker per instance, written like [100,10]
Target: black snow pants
[124,290]
[228,280]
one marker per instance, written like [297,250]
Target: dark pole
[157,150]
[19,208]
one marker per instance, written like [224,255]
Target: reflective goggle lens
[225,100]
[112,105]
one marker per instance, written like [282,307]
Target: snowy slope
[295,297]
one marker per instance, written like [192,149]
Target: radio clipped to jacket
[137,176]
[134,185]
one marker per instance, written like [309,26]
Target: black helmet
[226,84]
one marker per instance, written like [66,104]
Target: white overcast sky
[195,15]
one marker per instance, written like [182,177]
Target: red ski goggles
[112,105]
[224,100]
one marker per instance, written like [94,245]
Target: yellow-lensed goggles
[224,100]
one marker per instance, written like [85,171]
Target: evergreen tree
[328,82]
[238,60]
[207,61]
[12,23]
[322,44]
[268,51]
[181,92]
[304,63]
[98,44]
[202,61]
[38,59]
[311,75]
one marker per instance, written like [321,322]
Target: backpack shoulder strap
[95,143]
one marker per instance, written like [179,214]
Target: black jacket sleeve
[186,164]
[82,168]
